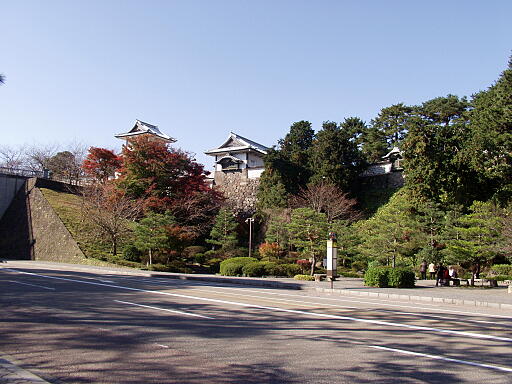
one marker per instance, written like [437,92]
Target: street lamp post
[250,220]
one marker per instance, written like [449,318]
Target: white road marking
[163,346]
[32,285]
[164,309]
[405,352]
[308,303]
[421,315]
[314,314]
[441,310]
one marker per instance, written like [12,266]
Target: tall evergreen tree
[335,157]
[437,133]
[287,167]
[393,121]
[490,148]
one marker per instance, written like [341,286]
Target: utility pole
[250,220]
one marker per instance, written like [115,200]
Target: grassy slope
[68,207]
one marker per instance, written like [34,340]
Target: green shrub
[191,251]
[290,270]
[234,266]
[158,267]
[401,278]
[501,277]
[131,253]
[199,258]
[377,277]
[126,263]
[501,269]
[214,264]
[254,269]
[358,266]
[271,268]
[349,274]
[304,277]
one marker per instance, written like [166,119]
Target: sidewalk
[12,374]
[425,290]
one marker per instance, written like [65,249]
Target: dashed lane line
[32,285]
[164,309]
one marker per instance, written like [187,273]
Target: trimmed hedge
[289,270]
[383,277]
[254,269]
[377,277]
[304,277]
[235,265]
[401,278]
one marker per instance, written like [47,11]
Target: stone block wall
[239,191]
[392,180]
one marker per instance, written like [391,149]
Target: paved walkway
[12,374]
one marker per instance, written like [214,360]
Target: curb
[11,373]
[412,298]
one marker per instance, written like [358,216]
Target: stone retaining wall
[239,191]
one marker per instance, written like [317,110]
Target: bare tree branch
[329,199]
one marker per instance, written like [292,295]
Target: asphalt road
[75,327]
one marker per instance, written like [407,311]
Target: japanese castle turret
[145,129]
[238,155]
[238,167]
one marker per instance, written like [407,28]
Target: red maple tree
[101,163]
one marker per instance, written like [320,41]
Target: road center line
[405,352]
[32,285]
[276,309]
[164,309]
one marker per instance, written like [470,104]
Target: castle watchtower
[141,128]
[238,155]
[238,167]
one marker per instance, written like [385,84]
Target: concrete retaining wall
[31,230]
[9,187]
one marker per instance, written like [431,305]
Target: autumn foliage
[101,163]
[169,180]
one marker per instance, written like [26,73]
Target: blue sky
[85,70]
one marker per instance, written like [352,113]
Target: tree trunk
[313,262]
[150,257]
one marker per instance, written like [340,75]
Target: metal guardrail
[24,172]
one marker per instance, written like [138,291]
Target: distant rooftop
[235,142]
[141,128]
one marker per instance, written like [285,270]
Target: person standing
[432,271]
[423,270]
[440,275]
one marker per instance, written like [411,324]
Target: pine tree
[223,234]
[335,157]
[490,148]
[476,238]
[308,233]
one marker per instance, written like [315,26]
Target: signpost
[332,258]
